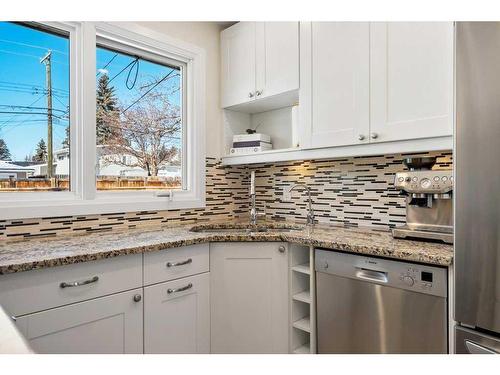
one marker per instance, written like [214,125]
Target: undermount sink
[244,230]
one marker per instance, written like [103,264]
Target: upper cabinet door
[411,80]
[335,83]
[277,59]
[238,63]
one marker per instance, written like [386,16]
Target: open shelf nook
[302,314]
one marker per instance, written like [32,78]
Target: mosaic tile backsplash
[354,191]
[357,191]
[223,185]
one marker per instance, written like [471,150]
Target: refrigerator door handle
[475,348]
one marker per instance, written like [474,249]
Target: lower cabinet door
[107,325]
[249,297]
[177,316]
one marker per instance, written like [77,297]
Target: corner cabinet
[259,60]
[249,297]
[106,325]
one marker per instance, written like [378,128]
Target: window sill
[100,205]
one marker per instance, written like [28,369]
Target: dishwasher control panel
[399,274]
[413,276]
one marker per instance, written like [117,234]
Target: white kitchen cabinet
[259,60]
[177,316]
[411,80]
[238,63]
[249,289]
[277,58]
[111,325]
[375,82]
[334,97]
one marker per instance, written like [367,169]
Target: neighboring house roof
[25,163]
[6,166]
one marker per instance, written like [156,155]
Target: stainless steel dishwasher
[372,305]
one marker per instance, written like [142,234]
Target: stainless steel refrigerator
[477,187]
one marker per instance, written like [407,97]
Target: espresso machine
[429,204]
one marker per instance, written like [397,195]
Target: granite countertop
[48,252]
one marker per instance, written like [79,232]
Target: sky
[23,82]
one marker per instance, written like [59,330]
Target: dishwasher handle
[371,275]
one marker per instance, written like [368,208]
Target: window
[127,118]
[34,109]
[139,114]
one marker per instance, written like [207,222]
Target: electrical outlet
[287,195]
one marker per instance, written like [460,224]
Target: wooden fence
[103,183]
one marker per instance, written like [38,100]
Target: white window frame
[83,198]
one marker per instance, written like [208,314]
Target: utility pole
[47,61]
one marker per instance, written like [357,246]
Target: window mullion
[87,120]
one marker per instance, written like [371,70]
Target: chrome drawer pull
[189,286]
[79,283]
[183,263]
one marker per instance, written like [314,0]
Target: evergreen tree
[40,152]
[65,142]
[106,111]
[4,150]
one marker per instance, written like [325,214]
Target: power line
[148,91]
[36,101]
[29,107]
[28,113]
[107,64]
[32,46]
[60,101]
[28,55]
[22,91]
[25,90]
[30,85]
[121,71]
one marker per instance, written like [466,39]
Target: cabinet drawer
[32,291]
[175,263]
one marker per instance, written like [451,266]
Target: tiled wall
[353,191]
[223,187]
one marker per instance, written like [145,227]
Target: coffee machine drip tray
[444,234]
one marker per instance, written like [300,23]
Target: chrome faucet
[253,209]
[310,211]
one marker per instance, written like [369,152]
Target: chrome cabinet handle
[78,283]
[361,137]
[137,298]
[251,94]
[374,135]
[189,286]
[177,264]
[258,93]
[281,249]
